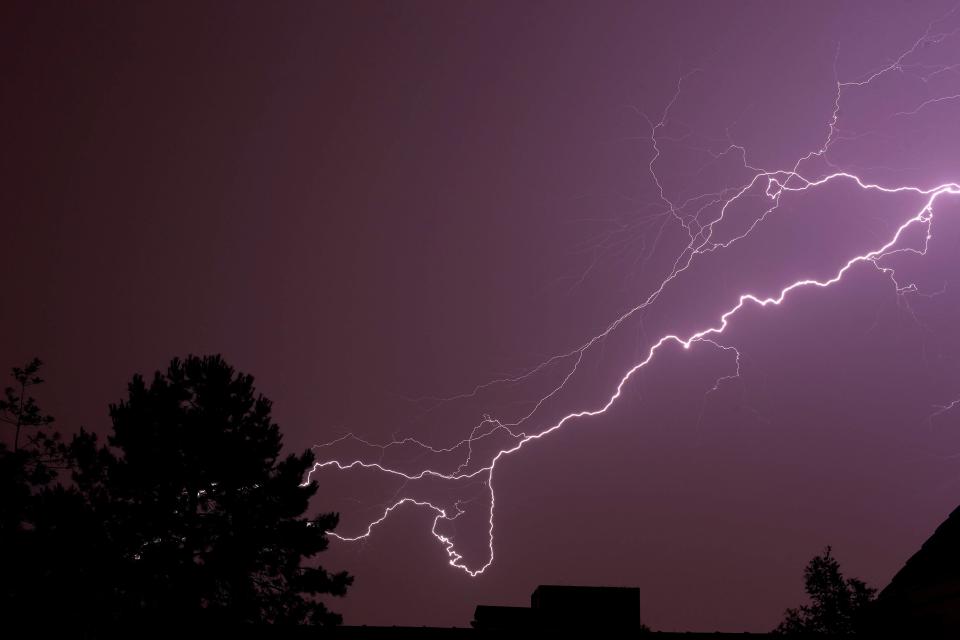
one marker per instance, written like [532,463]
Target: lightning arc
[774,184]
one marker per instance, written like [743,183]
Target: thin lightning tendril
[774,183]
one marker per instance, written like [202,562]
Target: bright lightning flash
[774,183]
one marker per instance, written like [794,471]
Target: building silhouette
[568,607]
[923,599]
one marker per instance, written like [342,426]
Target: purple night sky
[371,206]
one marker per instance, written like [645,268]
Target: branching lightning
[689,214]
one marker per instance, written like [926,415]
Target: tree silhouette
[22,472]
[23,476]
[17,408]
[189,515]
[207,516]
[836,604]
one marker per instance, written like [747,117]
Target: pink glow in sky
[679,280]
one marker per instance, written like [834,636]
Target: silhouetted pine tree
[835,602]
[189,516]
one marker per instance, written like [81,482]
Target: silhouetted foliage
[17,408]
[835,603]
[189,515]
[23,476]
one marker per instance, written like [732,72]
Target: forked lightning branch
[774,184]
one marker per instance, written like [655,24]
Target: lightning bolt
[700,217]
